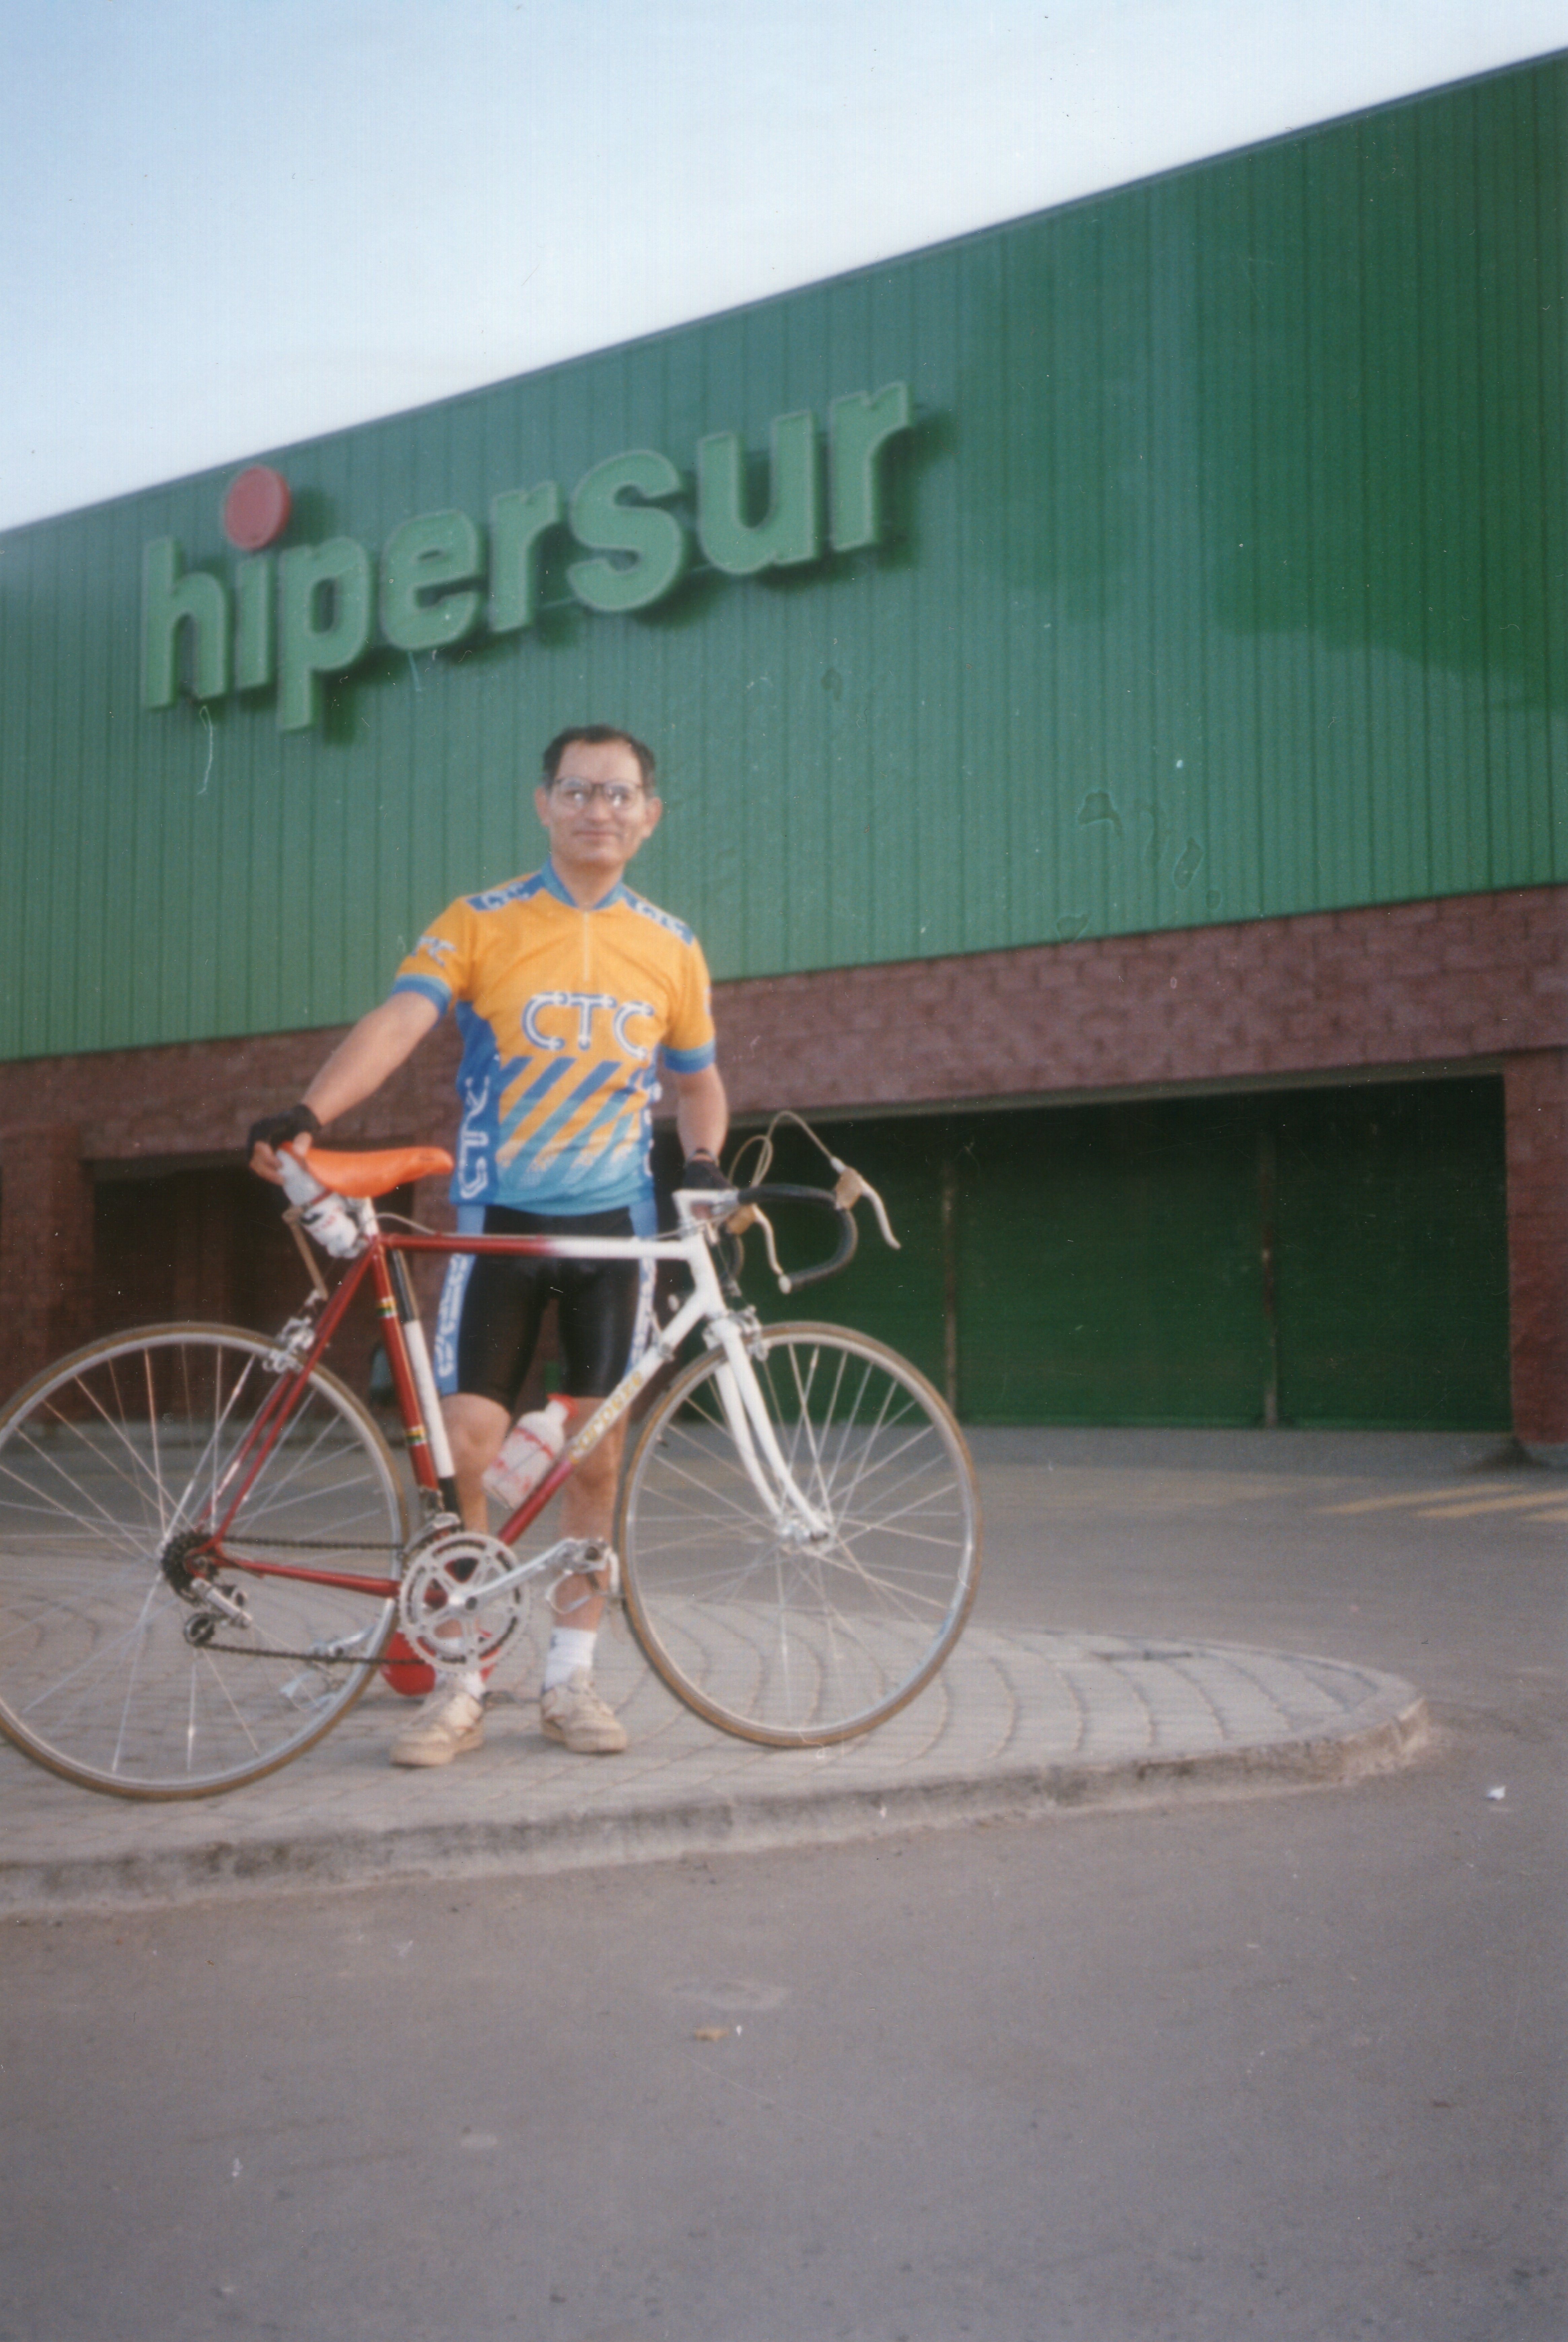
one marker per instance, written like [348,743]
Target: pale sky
[232,225]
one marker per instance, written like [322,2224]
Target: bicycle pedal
[599,1555]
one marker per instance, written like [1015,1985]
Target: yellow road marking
[1451,1503]
[1383,1504]
[1487,1505]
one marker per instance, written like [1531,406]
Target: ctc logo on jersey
[571,1017]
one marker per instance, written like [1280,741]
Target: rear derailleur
[212,1606]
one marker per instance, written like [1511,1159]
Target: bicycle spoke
[805,1618]
[134,1443]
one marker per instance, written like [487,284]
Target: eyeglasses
[620,797]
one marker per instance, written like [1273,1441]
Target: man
[568,988]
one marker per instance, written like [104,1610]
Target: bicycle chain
[256,1651]
[320,1545]
[311,1659]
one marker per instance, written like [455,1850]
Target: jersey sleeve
[439,966]
[689,1043]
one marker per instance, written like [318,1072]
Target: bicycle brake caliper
[745,1321]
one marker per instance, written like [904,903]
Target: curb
[711,1823]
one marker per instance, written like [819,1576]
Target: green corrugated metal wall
[1226,578]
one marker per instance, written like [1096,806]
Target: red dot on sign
[257,507]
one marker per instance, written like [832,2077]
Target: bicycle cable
[848,1186]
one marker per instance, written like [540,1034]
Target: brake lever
[761,1219]
[847,1190]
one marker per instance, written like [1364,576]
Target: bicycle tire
[104,1457]
[795,1644]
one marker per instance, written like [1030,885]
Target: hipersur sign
[313,610]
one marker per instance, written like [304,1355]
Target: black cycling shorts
[492,1307]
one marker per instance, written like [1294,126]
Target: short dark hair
[596,735]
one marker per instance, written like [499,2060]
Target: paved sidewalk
[1021,1722]
[1299,1539]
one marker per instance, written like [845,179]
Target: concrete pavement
[1028,1718]
[1018,1723]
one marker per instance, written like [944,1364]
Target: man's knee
[600,1467]
[475,1429]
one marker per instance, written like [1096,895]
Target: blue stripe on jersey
[428,987]
[594,1079]
[665,919]
[640,1085]
[690,1061]
[626,1112]
[529,1097]
[515,890]
[480,1084]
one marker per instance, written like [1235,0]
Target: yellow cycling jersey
[564,1014]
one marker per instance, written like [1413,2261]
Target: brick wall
[1437,983]
[1430,984]
[45,1248]
[1537,1093]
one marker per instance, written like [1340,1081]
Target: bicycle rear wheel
[780,1635]
[106,1461]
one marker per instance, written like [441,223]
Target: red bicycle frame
[394,1302]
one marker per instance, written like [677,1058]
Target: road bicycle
[208,1545]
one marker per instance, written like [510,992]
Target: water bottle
[324,1215]
[332,1223]
[528,1450]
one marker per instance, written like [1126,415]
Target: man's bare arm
[702,1111]
[365,1058]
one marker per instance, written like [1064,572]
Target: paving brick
[1022,1722]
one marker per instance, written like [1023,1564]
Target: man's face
[597,811]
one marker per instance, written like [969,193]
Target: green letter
[169,601]
[440,548]
[306,651]
[600,519]
[859,424]
[792,527]
[253,624]
[518,521]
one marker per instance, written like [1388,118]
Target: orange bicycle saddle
[379,1172]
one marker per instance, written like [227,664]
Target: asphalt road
[1291,2067]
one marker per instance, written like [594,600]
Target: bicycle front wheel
[785,1629]
[106,1462]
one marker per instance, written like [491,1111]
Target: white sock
[571,1647]
[472,1681]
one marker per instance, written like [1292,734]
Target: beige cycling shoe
[450,1723]
[575,1715]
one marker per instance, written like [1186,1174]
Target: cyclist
[570,990]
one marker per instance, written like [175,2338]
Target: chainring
[448,1612]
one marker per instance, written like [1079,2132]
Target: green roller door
[1393,1279]
[1107,1267]
[1326,1257]
[897,1295]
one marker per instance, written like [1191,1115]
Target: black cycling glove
[702,1172]
[277,1129]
